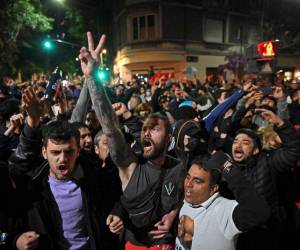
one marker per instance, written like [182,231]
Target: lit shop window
[144,27]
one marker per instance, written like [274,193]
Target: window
[214,31]
[144,28]
[238,31]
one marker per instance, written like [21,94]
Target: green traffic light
[47,45]
[101,75]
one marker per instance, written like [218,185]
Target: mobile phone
[52,84]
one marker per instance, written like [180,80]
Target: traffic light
[103,74]
[261,58]
[47,44]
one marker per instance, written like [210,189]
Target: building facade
[176,35]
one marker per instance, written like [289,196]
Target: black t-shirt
[148,182]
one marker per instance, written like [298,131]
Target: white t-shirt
[207,227]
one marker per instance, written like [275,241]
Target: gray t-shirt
[207,227]
[67,195]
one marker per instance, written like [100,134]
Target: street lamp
[104,51]
[48,43]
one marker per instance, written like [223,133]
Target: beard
[156,151]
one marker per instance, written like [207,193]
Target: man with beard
[151,187]
[86,140]
[266,170]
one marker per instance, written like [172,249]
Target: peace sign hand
[89,58]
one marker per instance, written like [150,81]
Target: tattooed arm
[120,151]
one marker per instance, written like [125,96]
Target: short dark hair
[253,135]
[218,92]
[60,131]
[79,125]
[165,119]
[272,98]
[215,174]
[9,107]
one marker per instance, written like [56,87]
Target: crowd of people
[171,165]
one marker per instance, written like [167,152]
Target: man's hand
[275,143]
[32,105]
[28,241]
[89,58]
[60,98]
[270,117]
[14,124]
[115,224]
[164,225]
[119,108]
[254,97]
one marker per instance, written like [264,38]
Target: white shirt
[207,227]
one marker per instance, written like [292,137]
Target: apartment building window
[238,30]
[214,30]
[144,27]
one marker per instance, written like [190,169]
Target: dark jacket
[11,210]
[42,213]
[267,172]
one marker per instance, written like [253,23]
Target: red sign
[266,49]
[160,76]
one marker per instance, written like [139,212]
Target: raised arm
[222,108]
[120,151]
[285,157]
[27,154]
[82,104]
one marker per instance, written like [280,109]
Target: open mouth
[148,144]
[238,153]
[63,170]
[88,147]
[188,193]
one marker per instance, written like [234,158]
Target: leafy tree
[17,16]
